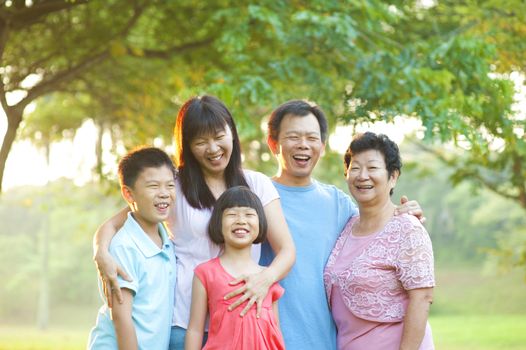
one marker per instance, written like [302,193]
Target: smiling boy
[142,248]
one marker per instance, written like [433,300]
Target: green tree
[256,55]
[463,54]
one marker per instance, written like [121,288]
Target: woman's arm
[121,314]
[257,285]
[198,312]
[106,266]
[415,319]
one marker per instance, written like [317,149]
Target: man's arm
[121,314]
[410,207]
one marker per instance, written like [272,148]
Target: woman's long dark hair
[198,116]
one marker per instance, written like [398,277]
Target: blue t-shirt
[153,271]
[315,214]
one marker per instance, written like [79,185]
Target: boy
[142,248]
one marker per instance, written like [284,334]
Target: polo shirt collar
[145,245]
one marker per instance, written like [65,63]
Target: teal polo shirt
[153,271]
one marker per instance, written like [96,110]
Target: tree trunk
[43,293]
[14,117]
[98,151]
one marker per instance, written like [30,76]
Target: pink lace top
[372,273]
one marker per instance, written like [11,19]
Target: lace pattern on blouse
[374,284]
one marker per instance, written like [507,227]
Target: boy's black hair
[237,196]
[131,165]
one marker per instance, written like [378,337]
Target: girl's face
[213,151]
[240,226]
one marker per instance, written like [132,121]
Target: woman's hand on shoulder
[254,290]
[108,271]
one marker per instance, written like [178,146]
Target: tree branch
[168,53]
[470,173]
[27,16]
[62,77]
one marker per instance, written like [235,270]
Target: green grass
[450,332]
[479,332]
[28,338]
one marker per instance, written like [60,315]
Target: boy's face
[152,195]
[298,149]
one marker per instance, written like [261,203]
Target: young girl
[237,222]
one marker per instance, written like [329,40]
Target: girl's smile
[240,226]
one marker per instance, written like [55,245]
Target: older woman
[379,277]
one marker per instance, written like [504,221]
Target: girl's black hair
[200,116]
[238,196]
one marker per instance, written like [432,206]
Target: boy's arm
[107,268]
[198,312]
[121,314]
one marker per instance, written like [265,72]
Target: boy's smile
[151,196]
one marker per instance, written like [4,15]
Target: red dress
[227,330]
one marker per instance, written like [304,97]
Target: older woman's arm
[415,319]
[256,286]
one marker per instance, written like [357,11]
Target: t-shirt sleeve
[346,209]
[262,186]
[415,264]
[276,292]
[128,260]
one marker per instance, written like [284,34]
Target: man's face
[298,148]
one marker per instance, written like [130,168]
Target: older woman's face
[367,178]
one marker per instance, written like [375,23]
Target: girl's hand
[254,290]
[411,208]
[108,271]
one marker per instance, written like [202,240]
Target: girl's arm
[415,319]
[257,285]
[198,312]
[106,266]
[121,315]
[275,309]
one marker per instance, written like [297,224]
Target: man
[316,214]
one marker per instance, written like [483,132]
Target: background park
[84,81]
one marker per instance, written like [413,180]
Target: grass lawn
[479,332]
[27,338]
[450,332]
[472,310]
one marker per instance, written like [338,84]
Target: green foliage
[444,66]
[70,216]
[473,220]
